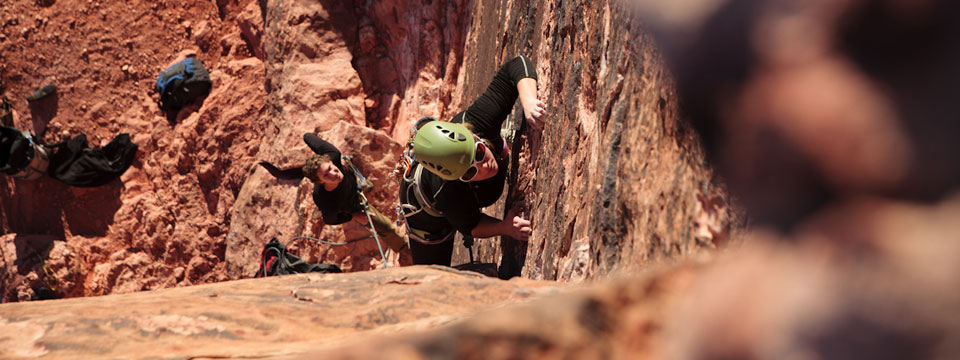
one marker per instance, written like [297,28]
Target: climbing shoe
[43,92]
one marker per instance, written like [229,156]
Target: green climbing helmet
[444,148]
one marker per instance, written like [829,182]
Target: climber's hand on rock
[533,111]
[533,108]
[518,227]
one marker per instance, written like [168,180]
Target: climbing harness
[411,186]
[423,236]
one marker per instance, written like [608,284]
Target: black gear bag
[275,260]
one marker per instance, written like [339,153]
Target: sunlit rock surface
[830,121]
[268,318]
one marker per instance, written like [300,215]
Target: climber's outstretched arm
[516,78]
[513,226]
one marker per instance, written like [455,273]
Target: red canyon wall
[853,252]
[631,187]
[616,180]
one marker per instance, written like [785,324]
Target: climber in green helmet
[446,149]
[466,163]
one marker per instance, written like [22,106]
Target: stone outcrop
[766,300]
[270,318]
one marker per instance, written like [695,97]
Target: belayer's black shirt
[460,201]
[339,205]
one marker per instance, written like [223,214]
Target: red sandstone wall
[631,187]
[616,180]
[164,222]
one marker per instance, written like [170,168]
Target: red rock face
[164,222]
[629,188]
[616,180]
[795,98]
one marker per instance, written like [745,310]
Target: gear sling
[410,185]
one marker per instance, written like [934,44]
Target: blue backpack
[181,84]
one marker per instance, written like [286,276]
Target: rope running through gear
[373,230]
[366,211]
[326,242]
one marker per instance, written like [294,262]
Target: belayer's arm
[289,174]
[321,146]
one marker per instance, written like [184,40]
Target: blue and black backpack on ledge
[181,84]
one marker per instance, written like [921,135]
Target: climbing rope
[326,242]
[373,230]
[361,180]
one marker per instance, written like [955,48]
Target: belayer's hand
[519,228]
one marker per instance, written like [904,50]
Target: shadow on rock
[91,210]
[42,111]
[49,207]
[487,269]
[31,250]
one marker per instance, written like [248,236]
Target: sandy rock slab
[273,317]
